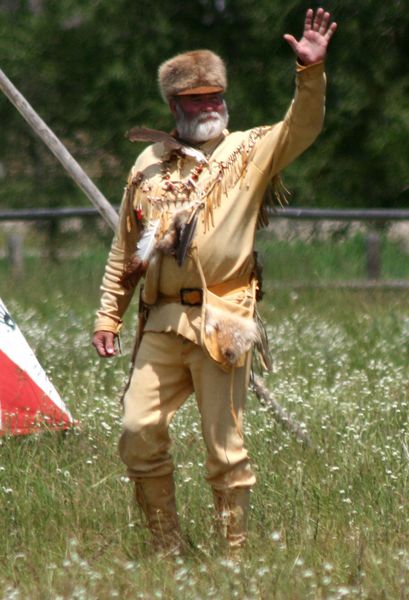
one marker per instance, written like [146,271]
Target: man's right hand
[104,343]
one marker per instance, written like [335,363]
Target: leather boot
[156,497]
[232,507]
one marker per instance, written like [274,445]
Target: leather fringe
[229,173]
[276,194]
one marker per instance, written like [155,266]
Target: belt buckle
[197,299]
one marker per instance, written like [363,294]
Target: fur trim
[189,72]
[134,270]
[168,244]
[235,334]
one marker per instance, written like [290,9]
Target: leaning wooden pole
[280,414]
[59,151]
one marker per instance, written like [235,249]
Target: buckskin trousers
[168,368]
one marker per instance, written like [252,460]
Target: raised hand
[318,30]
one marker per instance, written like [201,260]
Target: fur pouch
[229,329]
[233,334]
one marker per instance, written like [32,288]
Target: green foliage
[89,69]
[366,136]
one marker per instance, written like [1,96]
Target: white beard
[203,127]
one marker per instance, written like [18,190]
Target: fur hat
[195,72]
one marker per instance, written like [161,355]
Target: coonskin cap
[195,72]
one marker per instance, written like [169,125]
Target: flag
[28,400]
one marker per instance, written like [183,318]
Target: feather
[186,236]
[137,265]
[147,242]
[194,153]
[145,134]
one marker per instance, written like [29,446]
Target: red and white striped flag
[28,400]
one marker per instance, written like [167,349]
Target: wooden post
[15,253]
[373,255]
[59,151]
[53,228]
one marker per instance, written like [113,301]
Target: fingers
[317,22]
[308,19]
[324,23]
[320,22]
[103,342]
[330,32]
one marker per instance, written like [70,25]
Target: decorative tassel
[276,193]
[281,193]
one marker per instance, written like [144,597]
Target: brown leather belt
[194,296]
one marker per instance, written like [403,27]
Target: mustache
[205,116]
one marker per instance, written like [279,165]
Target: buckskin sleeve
[300,126]
[115,298]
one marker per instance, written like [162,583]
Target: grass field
[328,522]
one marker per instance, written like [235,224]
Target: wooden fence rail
[370,216]
[329,214]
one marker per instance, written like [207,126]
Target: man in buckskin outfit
[191,207]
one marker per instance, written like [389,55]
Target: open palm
[318,30]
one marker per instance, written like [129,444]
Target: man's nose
[208,107]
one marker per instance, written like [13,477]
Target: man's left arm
[303,121]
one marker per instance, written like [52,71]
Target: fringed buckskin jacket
[226,192]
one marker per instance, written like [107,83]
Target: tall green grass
[337,257]
[328,522]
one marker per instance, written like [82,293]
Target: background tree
[89,69]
